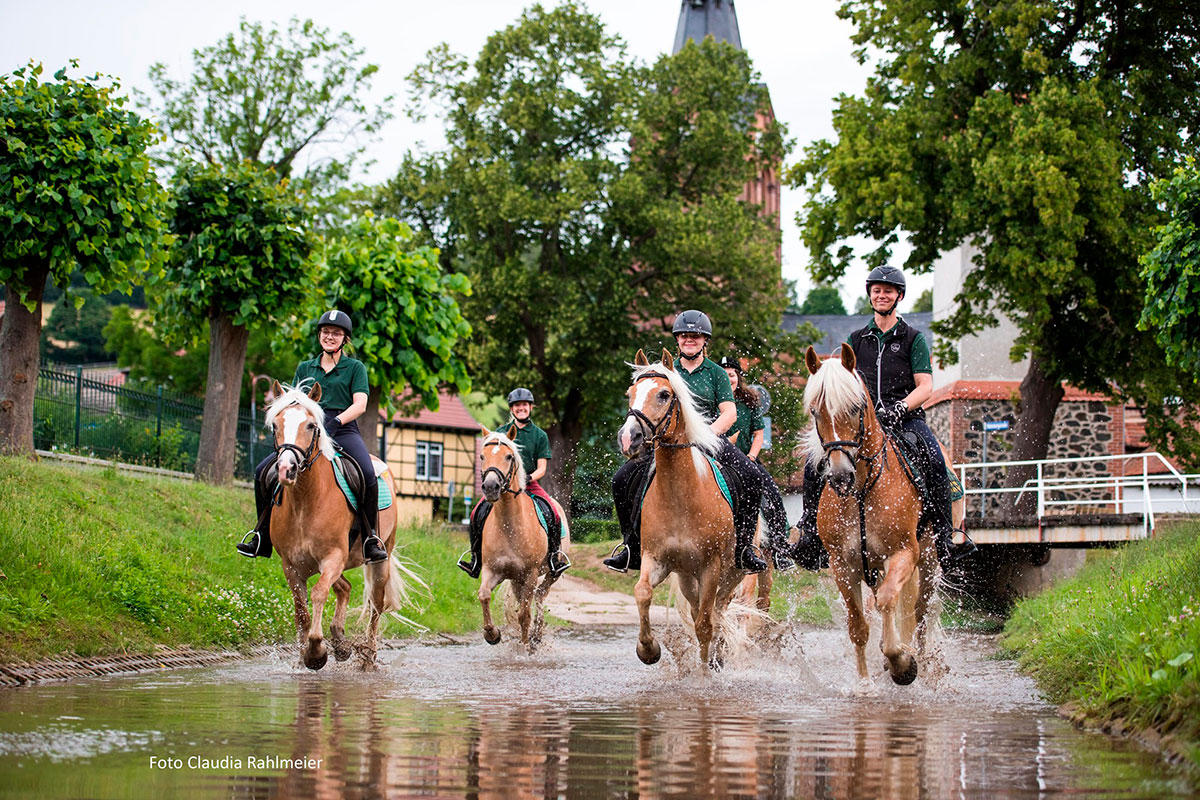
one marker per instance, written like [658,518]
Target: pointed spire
[700,18]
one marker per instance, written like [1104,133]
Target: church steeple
[700,18]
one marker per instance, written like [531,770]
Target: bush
[587,529]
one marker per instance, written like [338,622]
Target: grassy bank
[97,562]
[1121,640]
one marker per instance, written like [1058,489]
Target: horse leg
[488,581]
[379,589]
[849,583]
[297,584]
[314,653]
[647,649]
[901,663]
[337,628]
[524,591]
[766,580]
[927,566]
[705,613]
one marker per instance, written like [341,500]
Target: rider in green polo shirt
[534,446]
[344,392]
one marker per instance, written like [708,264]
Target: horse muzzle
[288,472]
[492,488]
[841,482]
[631,440]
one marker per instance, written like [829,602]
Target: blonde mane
[836,389]
[695,427]
[298,395]
[496,437]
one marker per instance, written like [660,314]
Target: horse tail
[734,629]
[405,589]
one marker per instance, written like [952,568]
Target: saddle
[550,522]
[917,463]
[350,480]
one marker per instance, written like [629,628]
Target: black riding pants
[772,504]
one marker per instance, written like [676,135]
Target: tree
[823,300]
[1172,270]
[923,303]
[241,259]
[863,306]
[1029,130]
[579,251]
[76,192]
[79,328]
[407,323]
[268,96]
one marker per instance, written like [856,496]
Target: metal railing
[84,415]
[1095,490]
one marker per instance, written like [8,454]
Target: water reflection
[581,719]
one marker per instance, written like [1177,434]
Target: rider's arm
[917,397]
[922,368]
[356,408]
[755,445]
[540,471]
[728,416]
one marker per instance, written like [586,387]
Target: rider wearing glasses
[344,391]
[714,400]
[895,363]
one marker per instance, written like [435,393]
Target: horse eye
[312,426]
[663,394]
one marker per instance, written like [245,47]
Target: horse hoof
[649,654]
[906,676]
[316,662]
[492,636]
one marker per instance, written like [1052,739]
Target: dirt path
[582,602]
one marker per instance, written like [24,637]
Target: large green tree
[823,300]
[1030,130]
[74,334]
[589,200]
[407,323]
[77,192]
[1172,270]
[241,259]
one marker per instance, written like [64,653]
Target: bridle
[306,455]
[843,446]
[505,477]
[657,429]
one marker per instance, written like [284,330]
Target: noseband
[505,478]
[659,428]
[306,456]
[842,446]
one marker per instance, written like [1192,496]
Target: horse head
[653,413]
[299,426]
[842,416]
[500,460]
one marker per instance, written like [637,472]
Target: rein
[505,478]
[307,456]
[659,428]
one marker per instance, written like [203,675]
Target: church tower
[718,19]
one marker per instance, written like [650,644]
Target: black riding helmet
[520,395]
[338,319]
[892,276]
[692,321]
[727,362]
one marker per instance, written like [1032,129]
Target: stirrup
[748,559]
[615,562]
[783,562]
[467,563]
[377,559]
[250,544]
[564,561]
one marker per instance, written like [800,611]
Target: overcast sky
[800,47]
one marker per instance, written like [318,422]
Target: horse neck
[311,484]
[511,511]
[676,466]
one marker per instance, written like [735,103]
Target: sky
[800,47]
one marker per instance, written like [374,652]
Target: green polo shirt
[919,359]
[748,421]
[339,385]
[710,387]
[533,441]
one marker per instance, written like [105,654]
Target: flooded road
[581,718]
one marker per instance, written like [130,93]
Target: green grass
[1122,638]
[96,562]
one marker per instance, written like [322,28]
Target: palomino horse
[310,530]
[868,515]
[514,542]
[687,526]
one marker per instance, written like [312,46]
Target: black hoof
[907,676]
[316,662]
[650,654]
[492,636]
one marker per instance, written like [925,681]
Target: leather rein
[306,455]
[657,429]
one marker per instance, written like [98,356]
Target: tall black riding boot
[627,487]
[555,557]
[810,551]
[373,549]
[257,542]
[471,562]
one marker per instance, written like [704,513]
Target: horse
[687,526]
[514,542]
[868,516]
[310,530]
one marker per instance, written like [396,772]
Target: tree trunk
[368,423]
[1040,396]
[218,427]
[559,480]
[20,330]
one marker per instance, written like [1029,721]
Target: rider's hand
[890,416]
[332,424]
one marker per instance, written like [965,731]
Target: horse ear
[276,390]
[667,361]
[640,359]
[314,393]
[486,432]
[811,361]
[848,360]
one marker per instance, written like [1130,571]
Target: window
[429,461]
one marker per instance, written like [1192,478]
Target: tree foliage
[77,192]
[407,323]
[924,302]
[589,200]
[823,300]
[1172,271]
[74,334]
[268,96]
[1029,131]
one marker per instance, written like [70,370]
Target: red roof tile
[451,414]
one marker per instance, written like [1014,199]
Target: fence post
[78,401]
[158,429]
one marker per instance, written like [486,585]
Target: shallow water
[581,718]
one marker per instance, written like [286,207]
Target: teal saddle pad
[720,478]
[385,498]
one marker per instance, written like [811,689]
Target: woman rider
[894,360]
[344,392]
[714,400]
[749,429]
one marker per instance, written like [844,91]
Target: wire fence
[81,412]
